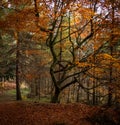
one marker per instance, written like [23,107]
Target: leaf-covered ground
[27,113]
[34,113]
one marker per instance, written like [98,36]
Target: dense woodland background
[61,51]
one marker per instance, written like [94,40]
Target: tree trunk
[78,94]
[94,101]
[55,97]
[18,93]
[88,95]
[110,88]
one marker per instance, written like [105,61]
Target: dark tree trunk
[55,97]
[18,93]
[94,101]
[110,89]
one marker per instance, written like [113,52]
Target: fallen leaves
[29,113]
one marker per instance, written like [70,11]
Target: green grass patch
[11,92]
[24,92]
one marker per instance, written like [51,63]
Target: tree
[70,38]
[9,22]
[21,20]
[78,38]
[7,57]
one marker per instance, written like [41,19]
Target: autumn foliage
[74,43]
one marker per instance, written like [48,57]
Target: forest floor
[34,113]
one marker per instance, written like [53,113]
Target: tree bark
[18,93]
[55,97]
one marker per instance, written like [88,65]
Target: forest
[61,53]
